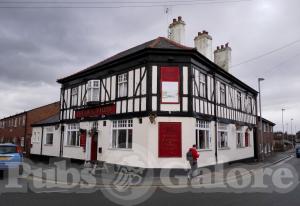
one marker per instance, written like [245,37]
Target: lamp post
[282,121]
[261,126]
[292,126]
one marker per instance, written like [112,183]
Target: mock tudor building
[151,103]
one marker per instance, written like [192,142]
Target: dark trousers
[194,167]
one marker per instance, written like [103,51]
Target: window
[239,101]
[202,134]
[222,93]
[23,122]
[74,96]
[93,90]
[22,141]
[239,137]
[49,135]
[222,136]
[73,135]
[249,104]
[169,77]
[122,85]
[122,134]
[247,139]
[202,80]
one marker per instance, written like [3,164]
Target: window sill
[48,145]
[224,148]
[121,149]
[72,146]
[204,150]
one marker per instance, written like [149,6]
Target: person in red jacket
[193,161]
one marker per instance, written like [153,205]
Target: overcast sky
[39,45]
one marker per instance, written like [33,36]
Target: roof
[22,113]
[158,43]
[49,121]
[267,121]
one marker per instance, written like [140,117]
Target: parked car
[11,157]
[298,152]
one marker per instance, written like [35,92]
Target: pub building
[160,96]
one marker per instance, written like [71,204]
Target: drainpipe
[42,140]
[216,119]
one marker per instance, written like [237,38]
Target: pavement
[273,187]
[108,176]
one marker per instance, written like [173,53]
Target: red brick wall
[17,130]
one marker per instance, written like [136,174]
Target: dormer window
[122,85]
[93,90]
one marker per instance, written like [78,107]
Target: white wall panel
[154,79]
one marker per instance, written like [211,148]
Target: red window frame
[169,74]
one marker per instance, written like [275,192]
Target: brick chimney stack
[222,57]
[203,44]
[177,30]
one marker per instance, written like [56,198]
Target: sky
[39,45]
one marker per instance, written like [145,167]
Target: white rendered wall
[52,150]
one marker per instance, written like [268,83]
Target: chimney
[177,30]
[223,57]
[203,44]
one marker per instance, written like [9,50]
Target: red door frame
[169,139]
[94,146]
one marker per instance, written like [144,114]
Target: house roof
[267,121]
[158,43]
[49,121]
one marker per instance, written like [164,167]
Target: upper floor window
[249,104]
[122,85]
[202,134]
[122,134]
[74,96]
[222,93]
[239,100]
[222,135]
[73,135]
[23,120]
[93,90]
[202,80]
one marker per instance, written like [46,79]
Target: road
[248,195]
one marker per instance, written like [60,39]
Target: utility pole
[261,126]
[292,126]
[282,121]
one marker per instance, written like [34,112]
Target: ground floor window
[49,135]
[239,137]
[72,135]
[222,135]
[202,134]
[247,138]
[122,134]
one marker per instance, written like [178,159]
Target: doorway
[94,146]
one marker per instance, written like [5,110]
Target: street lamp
[282,121]
[292,126]
[261,127]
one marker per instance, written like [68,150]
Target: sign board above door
[96,111]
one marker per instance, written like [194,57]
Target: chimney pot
[179,18]
[174,20]
[226,45]
[218,47]
[199,33]
[222,46]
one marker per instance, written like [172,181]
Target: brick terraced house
[17,128]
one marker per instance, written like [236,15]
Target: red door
[94,147]
[169,135]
